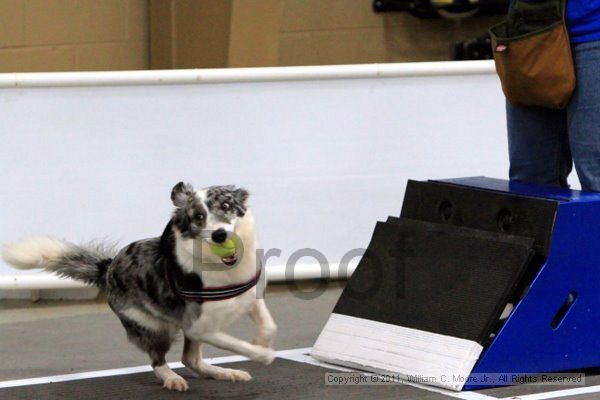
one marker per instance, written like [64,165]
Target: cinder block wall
[247,33]
[73,35]
[348,31]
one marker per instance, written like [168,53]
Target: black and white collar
[210,293]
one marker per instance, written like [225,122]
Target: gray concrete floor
[60,337]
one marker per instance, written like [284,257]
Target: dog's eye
[200,217]
[225,206]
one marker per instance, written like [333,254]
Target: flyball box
[478,279]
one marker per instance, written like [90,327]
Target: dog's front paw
[234,375]
[264,355]
[176,383]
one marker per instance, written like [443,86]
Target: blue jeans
[544,143]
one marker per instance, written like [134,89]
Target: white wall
[324,159]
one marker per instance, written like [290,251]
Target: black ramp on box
[437,278]
[482,209]
[282,379]
[392,220]
[427,296]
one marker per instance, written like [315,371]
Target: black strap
[213,293]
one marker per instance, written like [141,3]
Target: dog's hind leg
[156,341]
[192,359]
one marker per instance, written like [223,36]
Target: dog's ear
[241,196]
[181,194]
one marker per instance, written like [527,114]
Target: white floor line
[123,371]
[556,394]
[459,395]
[290,354]
[300,355]
[304,357]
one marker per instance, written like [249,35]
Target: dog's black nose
[219,236]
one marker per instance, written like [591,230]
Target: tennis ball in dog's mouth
[225,249]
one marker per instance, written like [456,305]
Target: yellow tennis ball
[225,249]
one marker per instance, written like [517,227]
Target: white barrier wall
[324,159]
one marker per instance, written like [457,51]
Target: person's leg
[584,115]
[538,145]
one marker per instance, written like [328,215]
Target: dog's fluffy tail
[87,263]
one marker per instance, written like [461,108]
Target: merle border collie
[171,283]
